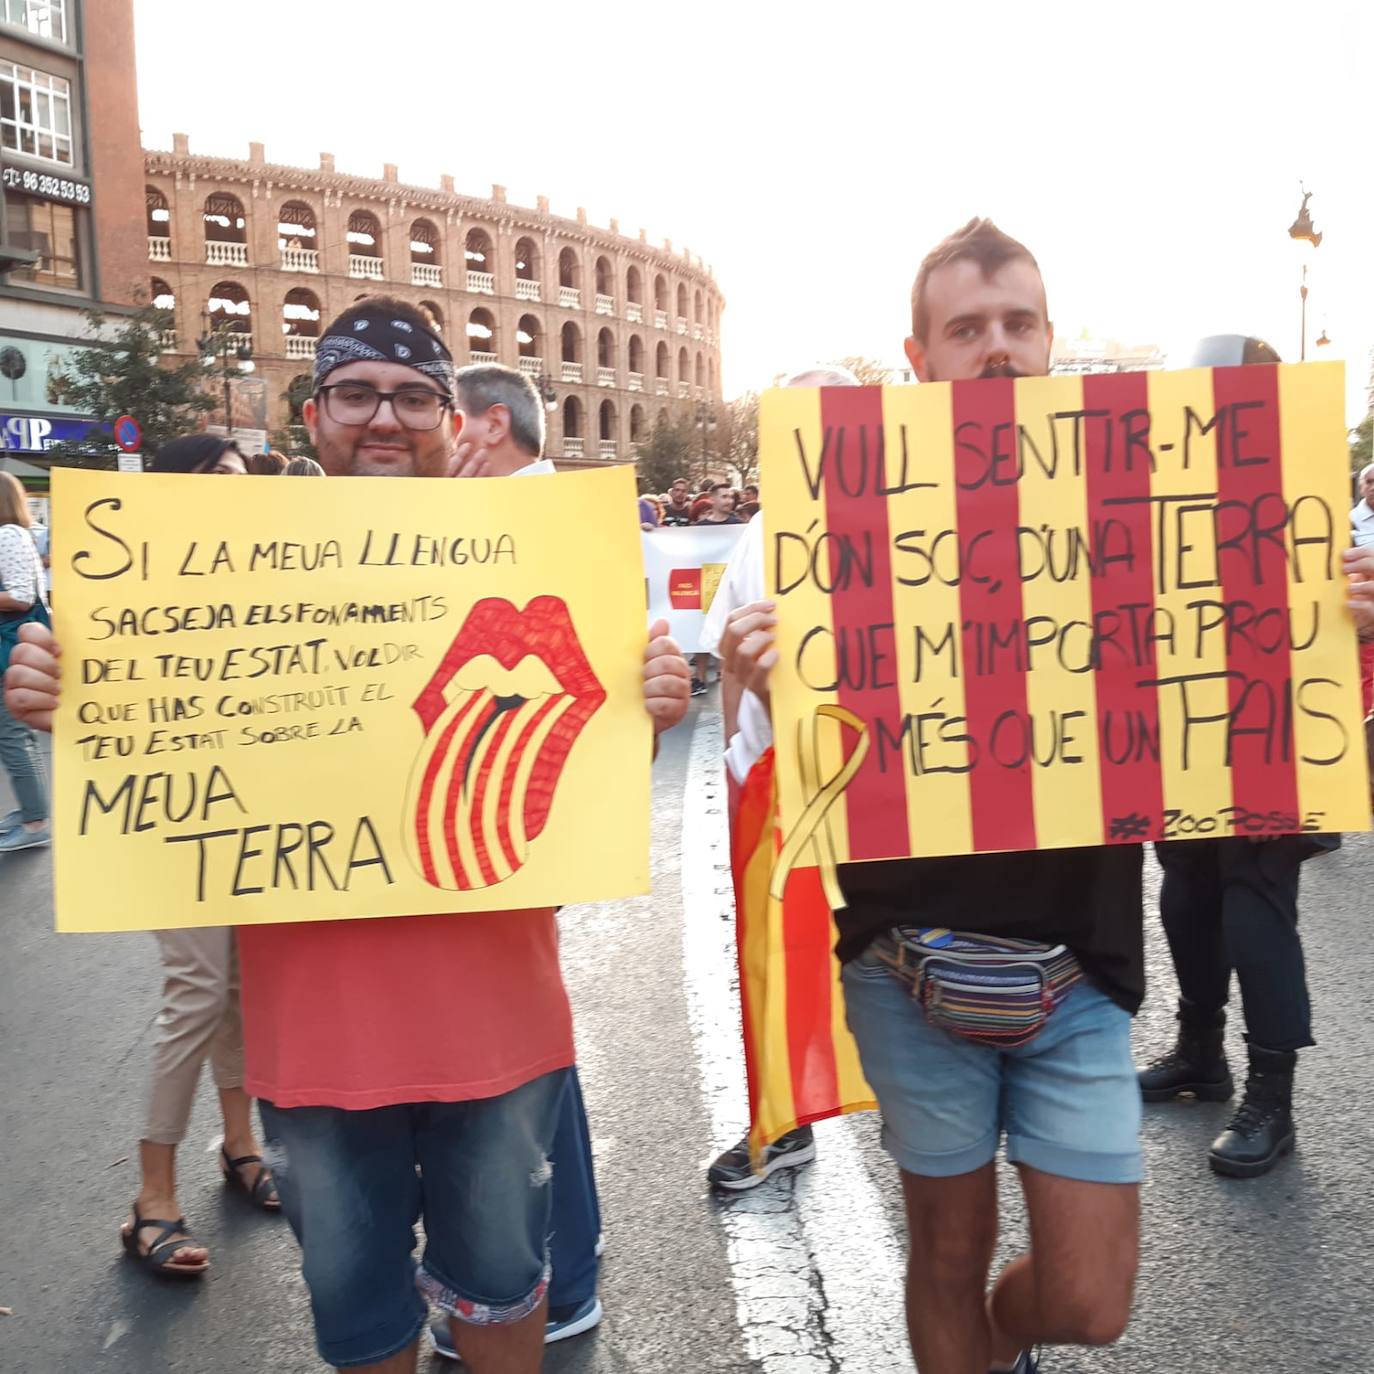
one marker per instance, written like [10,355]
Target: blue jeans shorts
[1068,1101]
[353,1185]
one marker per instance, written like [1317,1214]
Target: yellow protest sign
[295,700]
[1059,611]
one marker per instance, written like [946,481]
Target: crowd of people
[716,503]
[452,1107]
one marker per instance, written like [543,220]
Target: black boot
[1196,1064]
[1262,1129]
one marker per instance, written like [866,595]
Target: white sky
[1148,154]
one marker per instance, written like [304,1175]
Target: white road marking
[815,1266]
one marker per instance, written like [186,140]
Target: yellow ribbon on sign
[813,818]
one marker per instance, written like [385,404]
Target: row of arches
[225,225]
[574,415]
[228,303]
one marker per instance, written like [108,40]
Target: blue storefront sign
[38,433]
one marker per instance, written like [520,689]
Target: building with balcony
[69,204]
[615,330]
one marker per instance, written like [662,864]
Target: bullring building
[613,330]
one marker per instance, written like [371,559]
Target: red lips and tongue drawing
[500,715]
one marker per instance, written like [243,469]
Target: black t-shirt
[1088,899]
[677,517]
[731,519]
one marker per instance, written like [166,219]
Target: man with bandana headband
[1067,1101]
[382,348]
[409,1069]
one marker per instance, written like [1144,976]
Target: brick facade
[192,257]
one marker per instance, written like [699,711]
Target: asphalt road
[801,1276]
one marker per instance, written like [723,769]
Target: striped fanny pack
[994,991]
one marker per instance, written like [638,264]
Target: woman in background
[21,600]
[199,1020]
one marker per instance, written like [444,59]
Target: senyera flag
[802,1062]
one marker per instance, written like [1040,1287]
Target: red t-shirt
[373,1013]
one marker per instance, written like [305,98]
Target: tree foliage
[737,438]
[672,451]
[728,448]
[869,371]
[122,373]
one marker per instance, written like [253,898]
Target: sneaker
[698,687]
[562,1323]
[19,838]
[10,820]
[1028,1363]
[732,1172]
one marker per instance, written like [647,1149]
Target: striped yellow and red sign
[1058,611]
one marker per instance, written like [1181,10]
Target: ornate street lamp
[233,352]
[706,418]
[1302,230]
[544,385]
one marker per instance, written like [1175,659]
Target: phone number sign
[45,186]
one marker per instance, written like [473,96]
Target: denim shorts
[1068,1101]
[354,1183]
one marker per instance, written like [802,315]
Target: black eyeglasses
[355,403]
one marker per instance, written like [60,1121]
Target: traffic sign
[127,433]
[129,462]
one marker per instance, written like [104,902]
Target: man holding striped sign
[1067,1099]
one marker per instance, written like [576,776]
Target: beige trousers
[199,1018]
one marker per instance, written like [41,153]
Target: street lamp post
[226,346]
[707,420]
[1302,230]
[544,385]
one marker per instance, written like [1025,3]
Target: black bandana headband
[375,335]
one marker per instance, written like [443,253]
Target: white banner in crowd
[683,567]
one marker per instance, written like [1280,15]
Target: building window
[46,18]
[35,113]
[50,230]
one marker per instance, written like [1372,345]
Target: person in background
[1231,904]
[678,510]
[302,467]
[271,464]
[702,502]
[211,455]
[748,506]
[648,513]
[22,599]
[1362,514]
[199,1020]
[721,511]
[42,538]
[742,584]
